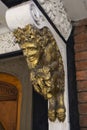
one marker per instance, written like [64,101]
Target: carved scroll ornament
[46,67]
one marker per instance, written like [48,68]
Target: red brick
[81,65]
[82,97]
[82,22]
[82,108]
[81,75]
[80,47]
[83,128]
[83,121]
[82,37]
[82,86]
[81,56]
[80,30]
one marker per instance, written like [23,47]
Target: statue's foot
[60,114]
[52,115]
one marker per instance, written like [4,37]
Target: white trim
[62,47]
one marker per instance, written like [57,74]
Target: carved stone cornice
[55,10]
[57,13]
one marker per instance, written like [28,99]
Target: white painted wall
[3,9]
[76,9]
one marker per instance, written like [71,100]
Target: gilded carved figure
[46,67]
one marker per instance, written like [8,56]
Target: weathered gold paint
[46,67]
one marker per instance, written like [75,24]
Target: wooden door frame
[8,78]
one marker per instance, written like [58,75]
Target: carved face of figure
[30,39]
[33,53]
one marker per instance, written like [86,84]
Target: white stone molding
[56,11]
[62,47]
[7,43]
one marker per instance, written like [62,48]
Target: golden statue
[46,67]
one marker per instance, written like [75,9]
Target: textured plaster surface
[57,13]
[7,43]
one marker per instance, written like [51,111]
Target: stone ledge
[7,43]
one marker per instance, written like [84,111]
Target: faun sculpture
[46,67]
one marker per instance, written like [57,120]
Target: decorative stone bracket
[45,53]
[46,67]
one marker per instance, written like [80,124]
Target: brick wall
[80,37]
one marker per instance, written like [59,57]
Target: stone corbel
[46,67]
[45,53]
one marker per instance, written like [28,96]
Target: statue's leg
[60,107]
[52,109]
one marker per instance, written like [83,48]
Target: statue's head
[33,53]
[37,44]
[30,41]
